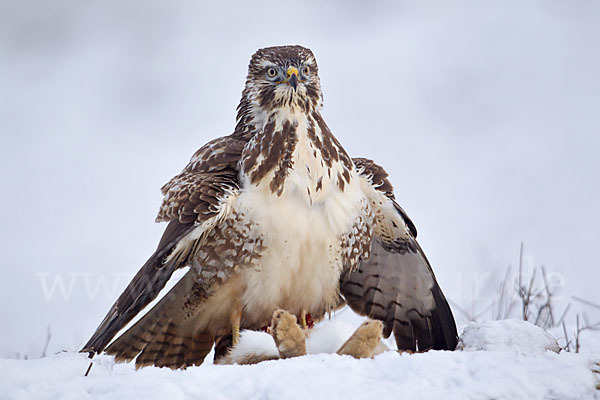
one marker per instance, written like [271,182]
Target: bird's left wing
[396,284]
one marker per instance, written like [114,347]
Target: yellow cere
[292,70]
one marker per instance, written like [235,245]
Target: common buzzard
[276,215]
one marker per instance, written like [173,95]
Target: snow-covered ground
[501,360]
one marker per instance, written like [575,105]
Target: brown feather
[396,285]
[191,197]
[167,336]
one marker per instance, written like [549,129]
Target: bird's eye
[271,72]
[305,70]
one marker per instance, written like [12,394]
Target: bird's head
[284,76]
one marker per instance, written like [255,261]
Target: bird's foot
[235,335]
[303,320]
[236,319]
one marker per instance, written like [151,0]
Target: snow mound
[507,335]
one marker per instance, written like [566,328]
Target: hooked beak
[292,77]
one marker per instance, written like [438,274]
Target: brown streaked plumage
[276,215]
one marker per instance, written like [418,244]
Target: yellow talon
[235,335]
[303,320]
[236,319]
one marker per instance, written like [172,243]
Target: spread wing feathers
[396,283]
[377,177]
[194,202]
[168,335]
[196,194]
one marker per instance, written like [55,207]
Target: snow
[260,344]
[491,368]
[328,336]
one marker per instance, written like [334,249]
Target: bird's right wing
[195,201]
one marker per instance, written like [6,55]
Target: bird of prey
[276,216]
